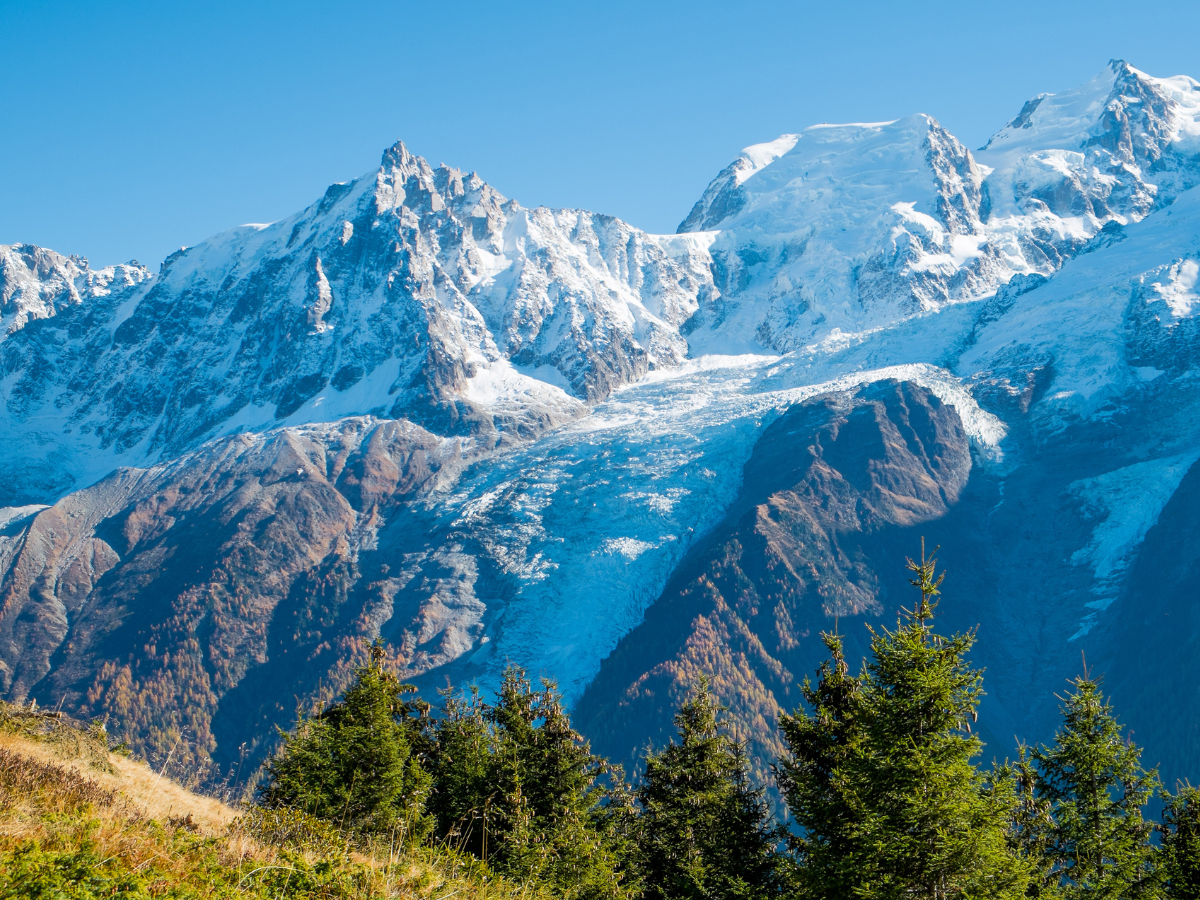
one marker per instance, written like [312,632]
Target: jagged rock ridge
[411,292]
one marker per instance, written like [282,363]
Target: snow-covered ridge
[1109,319]
[849,228]
[395,294]
[1110,151]
[36,283]
[422,292]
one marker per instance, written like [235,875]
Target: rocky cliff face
[492,434]
[159,595]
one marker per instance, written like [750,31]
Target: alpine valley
[417,410]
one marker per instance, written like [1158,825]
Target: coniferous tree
[814,778]
[356,764]
[1031,824]
[704,831]
[1180,857]
[881,776]
[938,822]
[551,794]
[516,785]
[462,798]
[1098,844]
[618,820]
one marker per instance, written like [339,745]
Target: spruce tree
[356,764]
[462,798]
[814,778]
[1098,845]
[618,821]
[1031,824]
[517,786]
[881,776]
[705,830]
[550,794]
[1180,857]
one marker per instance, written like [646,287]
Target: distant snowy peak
[723,197]
[404,190]
[1133,115]
[840,228]
[36,283]
[854,166]
[1115,148]
[857,157]
[847,228]
[412,292]
[584,300]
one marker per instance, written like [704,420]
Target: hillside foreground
[81,819]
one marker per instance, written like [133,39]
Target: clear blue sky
[130,129]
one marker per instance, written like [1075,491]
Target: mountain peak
[725,197]
[1068,119]
[37,283]
[1114,147]
[396,156]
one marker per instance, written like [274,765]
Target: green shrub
[287,828]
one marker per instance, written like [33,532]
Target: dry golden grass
[74,814]
[141,790]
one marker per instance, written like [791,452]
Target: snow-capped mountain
[1120,146]
[492,434]
[840,229]
[849,228]
[39,283]
[411,291]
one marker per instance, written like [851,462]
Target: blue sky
[130,129]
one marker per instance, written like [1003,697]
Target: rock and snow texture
[36,283]
[411,292]
[1112,150]
[848,228]
[1111,321]
[495,434]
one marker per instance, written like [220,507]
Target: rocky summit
[493,435]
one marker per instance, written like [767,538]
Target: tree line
[884,793]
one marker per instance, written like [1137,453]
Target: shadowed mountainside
[747,605]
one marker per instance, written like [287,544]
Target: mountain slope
[1091,372]
[829,489]
[492,434]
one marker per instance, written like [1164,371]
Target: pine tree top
[926,583]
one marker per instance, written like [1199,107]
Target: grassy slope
[79,821]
